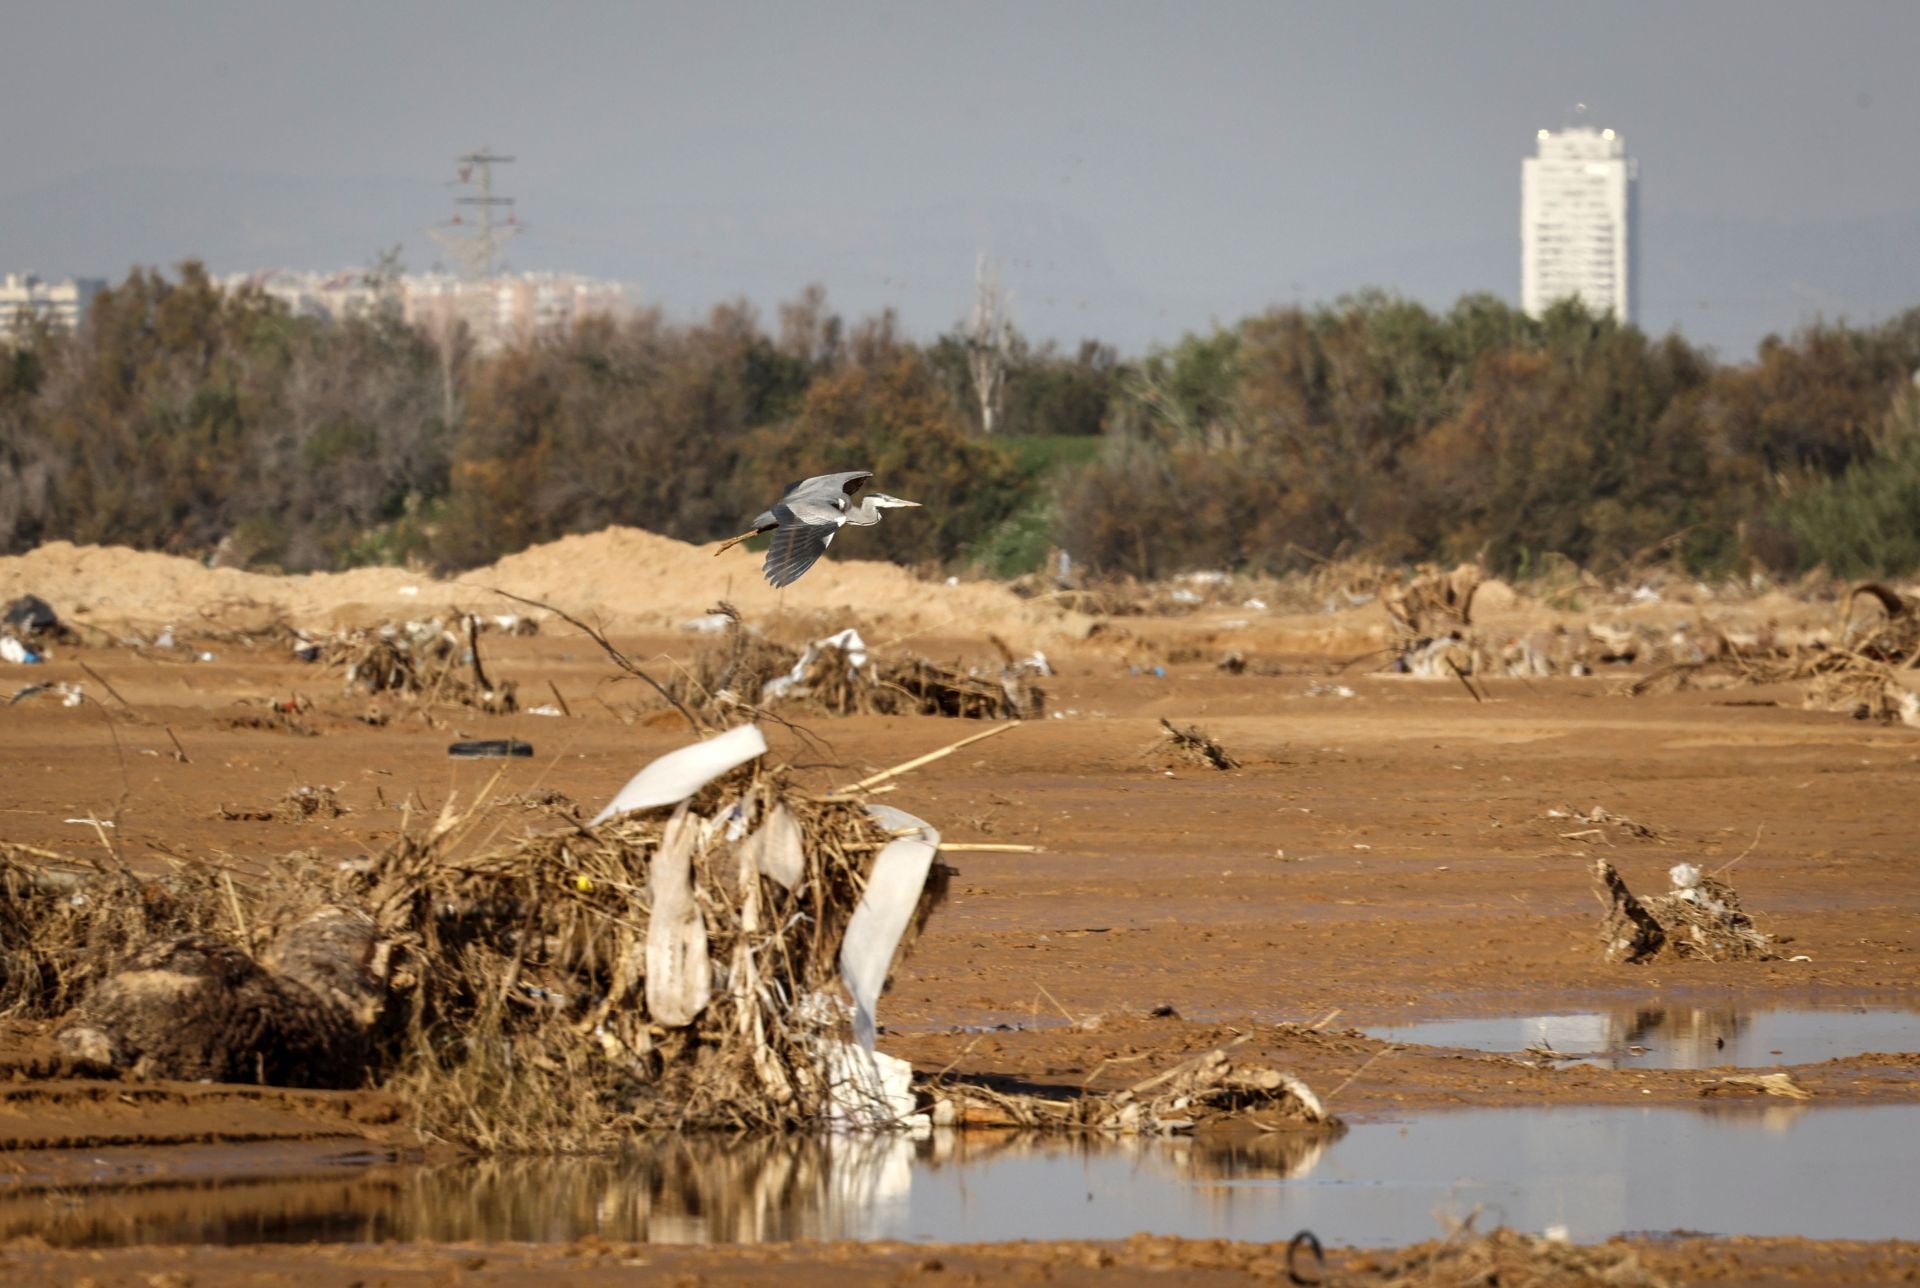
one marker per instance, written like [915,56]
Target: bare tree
[989,340]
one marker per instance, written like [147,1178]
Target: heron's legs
[731,542]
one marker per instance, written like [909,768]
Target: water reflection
[1680,1037]
[689,1190]
[1732,1168]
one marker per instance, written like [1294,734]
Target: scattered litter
[545,709]
[490,747]
[12,650]
[1318,690]
[69,693]
[30,615]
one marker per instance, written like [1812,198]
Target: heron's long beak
[914,504]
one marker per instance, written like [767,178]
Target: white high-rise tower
[1578,223]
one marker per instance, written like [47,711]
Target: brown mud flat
[1143,1259]
[1373,859]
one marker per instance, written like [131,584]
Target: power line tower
[476,246]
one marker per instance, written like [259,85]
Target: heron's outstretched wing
[828,485]
[829,489]
[797,544]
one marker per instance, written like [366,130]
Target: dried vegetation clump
[67,925]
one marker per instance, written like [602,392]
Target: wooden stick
[1389,1049]
[103,684]
[872,780]
[178,750]
[986,847]
[565,710]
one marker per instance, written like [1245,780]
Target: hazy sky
[1140,169]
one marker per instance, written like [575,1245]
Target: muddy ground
[1384,857]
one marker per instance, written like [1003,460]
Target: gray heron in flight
[804,520]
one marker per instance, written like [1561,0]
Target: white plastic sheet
[848,641]
[679,774]
[679,976]
[873,933]
[777,849]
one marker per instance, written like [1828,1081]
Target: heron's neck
[864,515]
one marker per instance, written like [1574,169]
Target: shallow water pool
[1748,1168]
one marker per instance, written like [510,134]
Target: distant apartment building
[1579,223]
[58,304]
[338,296]
[504,309]
[510,308]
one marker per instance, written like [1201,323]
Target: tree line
[188,418]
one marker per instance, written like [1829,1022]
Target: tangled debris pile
[1503,1257]
[1699,918]
[1871,670]
[1191,746]
[840,676]
[652,970]
[1208,1088]
[422,662]
[297,806]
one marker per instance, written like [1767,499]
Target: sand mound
[623,578]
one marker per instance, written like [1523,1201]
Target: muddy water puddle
[1842,1172]
[1679,1037]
